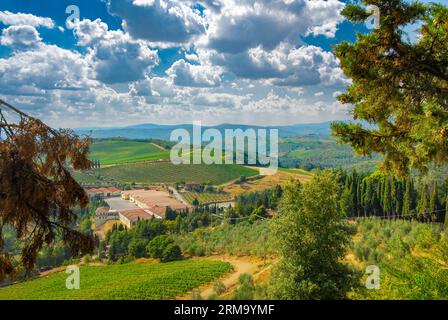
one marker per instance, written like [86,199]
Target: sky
[124,62]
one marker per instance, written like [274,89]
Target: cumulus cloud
[114,55]
[172,21]
[141,88]
[14,19]
[244,24]
[283,66]
[20,37]
[34,72]
[186,74]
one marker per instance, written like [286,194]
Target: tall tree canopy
[37,192]
[312,236]
[399,85]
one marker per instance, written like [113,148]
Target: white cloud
[20,37]
[284,66]
[244,24]
[47,67]
[14,19]
[114,55]
[170,21]
[186,74]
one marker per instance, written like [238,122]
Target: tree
[446,212]
[399,87]
[171,252]
[157,245]
[37,191]
[137,248]
[312,236]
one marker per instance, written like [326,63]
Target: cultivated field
[206,197]
[135,281]
[166,172]
[280,178]
[125,151]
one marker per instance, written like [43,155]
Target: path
[251,265]
[157,146]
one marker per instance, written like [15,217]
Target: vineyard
[135,281]
[206,197]
[118,151]
[166,172]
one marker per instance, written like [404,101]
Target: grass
[125,151]
[296,171]
[266,182]
[166,172]
[134,281]
[206,197]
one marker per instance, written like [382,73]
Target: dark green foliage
[157,245]
[137,248]
[171,253]
[312,236]
[399,87]
[378,194]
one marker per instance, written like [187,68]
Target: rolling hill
[155,131]
[133,281]
[165,172]
[116,151]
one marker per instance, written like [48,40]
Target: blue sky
[125,62]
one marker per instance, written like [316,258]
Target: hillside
[321,152]
[166,172]
[155,131]
[134,281]
[116,151]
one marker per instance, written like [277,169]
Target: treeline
[378,194]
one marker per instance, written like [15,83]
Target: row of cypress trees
[378,194]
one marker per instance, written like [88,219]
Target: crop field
[125,151]
[280,178]
[134,281]
[166,172]
[206,197]
[296,171]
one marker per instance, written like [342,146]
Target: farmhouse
[134,206]
[104,214]
[103,192]
[155,200]
[131,217]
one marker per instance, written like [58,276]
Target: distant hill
[155,131]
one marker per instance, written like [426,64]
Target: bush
[219,287]
[157,245]
[246,289]
[171,253]
[137,248]
[163,248]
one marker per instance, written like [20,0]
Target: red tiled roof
[134,215]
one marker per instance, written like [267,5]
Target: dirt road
[241,265]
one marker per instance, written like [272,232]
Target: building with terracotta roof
[131,217]
[104,214]
[153,199]
[103,192]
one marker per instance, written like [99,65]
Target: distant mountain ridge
[156,131]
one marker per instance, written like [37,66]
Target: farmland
[321,152]
[134,281]
[266,182]
[206,197]
[166,172]
[117,151]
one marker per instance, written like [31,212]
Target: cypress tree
[406,211]
[434,201]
